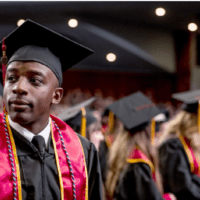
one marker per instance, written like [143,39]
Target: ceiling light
[73,23]
[111,57]
[192,27]
[160,11]
[20,22]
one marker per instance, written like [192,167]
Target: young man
[41,157]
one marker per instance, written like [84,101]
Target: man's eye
[35,80]
[11,78]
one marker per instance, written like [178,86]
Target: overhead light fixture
[192,27]
[111,57]
[20,22]
[73,23]
[160,12]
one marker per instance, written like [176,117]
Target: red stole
[8,190]
[194,162]
[137,156]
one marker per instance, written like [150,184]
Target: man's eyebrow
[36,73]
[12,70]
[33,72]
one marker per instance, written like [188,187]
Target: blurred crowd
[173,174]
[76,96]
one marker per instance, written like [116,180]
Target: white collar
[29,135]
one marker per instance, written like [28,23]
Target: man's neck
[35,127]
[28,134]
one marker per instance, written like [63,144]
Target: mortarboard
[34,42]
[76,116]
[135,111]
[190,100]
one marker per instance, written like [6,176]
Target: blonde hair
[185,124]
[117,161]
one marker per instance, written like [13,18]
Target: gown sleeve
[103,155]
[175,169]
[135,182]
[93,169]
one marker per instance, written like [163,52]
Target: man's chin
[20,117]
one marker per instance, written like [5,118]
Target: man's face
[30,89]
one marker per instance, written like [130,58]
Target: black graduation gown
[136,183]
[103,157]
[175,169]
[39,178]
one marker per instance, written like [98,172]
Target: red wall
[118,85]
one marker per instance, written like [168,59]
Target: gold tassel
[83,122]
[111,121]
[199,116]
[153,128]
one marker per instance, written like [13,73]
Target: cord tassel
[83,122]
[111,121]
[153,127]
[4,61]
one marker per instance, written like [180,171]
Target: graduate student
[41,157]
[110,128]
[79,118]
[132,164]
[179,152]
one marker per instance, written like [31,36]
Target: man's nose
[20,86]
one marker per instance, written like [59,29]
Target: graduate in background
[41,157]
[161,121]
[110,128]
[180,150]
[133,165]
[79,118]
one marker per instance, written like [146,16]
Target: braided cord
[68,160]
[14,177]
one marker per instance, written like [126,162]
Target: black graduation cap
[34,42]
[190,100]
[135,111]
[73,115]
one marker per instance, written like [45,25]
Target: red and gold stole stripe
[194,162]
[137,156]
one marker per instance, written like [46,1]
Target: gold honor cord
[57,164]
[83,122]
[111,121]
[153,127]
[199,116]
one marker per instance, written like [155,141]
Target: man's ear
[57,95]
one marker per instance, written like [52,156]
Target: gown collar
[29,135]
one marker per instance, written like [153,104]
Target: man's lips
[19,104]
